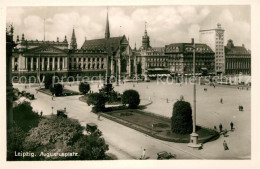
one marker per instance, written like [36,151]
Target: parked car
[31,97]
[62,113]
[91,127]
[163,155]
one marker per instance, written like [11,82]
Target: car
[163,155]
[62,113]
[91,127]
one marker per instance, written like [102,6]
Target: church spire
[107,33]
[73,42]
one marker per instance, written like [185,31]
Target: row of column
[50,63]
[117,63]
[238,64]
[81,63]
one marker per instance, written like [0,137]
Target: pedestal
[194,141]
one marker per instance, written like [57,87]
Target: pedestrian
[215,128]
[220,127]
[221,100]
[41,113]
[231,125]
[98,116]
[51,97]
[143,154]
[167,100]
[225,145]
[65,109]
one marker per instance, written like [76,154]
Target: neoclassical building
[106,56]
[238,59]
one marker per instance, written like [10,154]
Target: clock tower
[215,39]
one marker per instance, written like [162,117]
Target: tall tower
[73,42]
[145,40]
[107,33]
[214,38]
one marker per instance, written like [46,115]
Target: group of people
[221,127]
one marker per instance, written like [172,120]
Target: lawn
[65,92]
[158,126]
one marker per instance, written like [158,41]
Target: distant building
[214,38]
[107,56]
[151,60]
[180,59]
[238,59]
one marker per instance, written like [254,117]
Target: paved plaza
[127,143]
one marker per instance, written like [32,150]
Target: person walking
[225,145]
[231,125]
[99,116]
[41,113]
[143,154]
[220,127]
[221,100]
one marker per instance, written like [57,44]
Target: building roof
[236,50]
[109,44]
[187,47]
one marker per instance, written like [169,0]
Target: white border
[255,26]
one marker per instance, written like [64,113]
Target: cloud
[238,30]
[165,24]
[14,14]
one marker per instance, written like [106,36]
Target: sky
[165,24]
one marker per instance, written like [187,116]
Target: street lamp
[194,136]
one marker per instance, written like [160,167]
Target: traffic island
[157,126]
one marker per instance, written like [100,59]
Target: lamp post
[194,136]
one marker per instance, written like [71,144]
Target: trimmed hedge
[84,87]
[132,98]
[181,118]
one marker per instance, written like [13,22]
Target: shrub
[98,101]
[84,87]
[25,117]
[181,118]
[132,98]
[57,89]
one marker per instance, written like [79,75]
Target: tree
[15,139]
[48,81]
[92,147]
[84,87]
[57,89]
[25,117]
[132,98]
[181,118]
[98,101]
[61,135]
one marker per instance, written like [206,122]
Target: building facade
[180,58]
[238,59]
[151,60]
[214,38]
[107,56]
